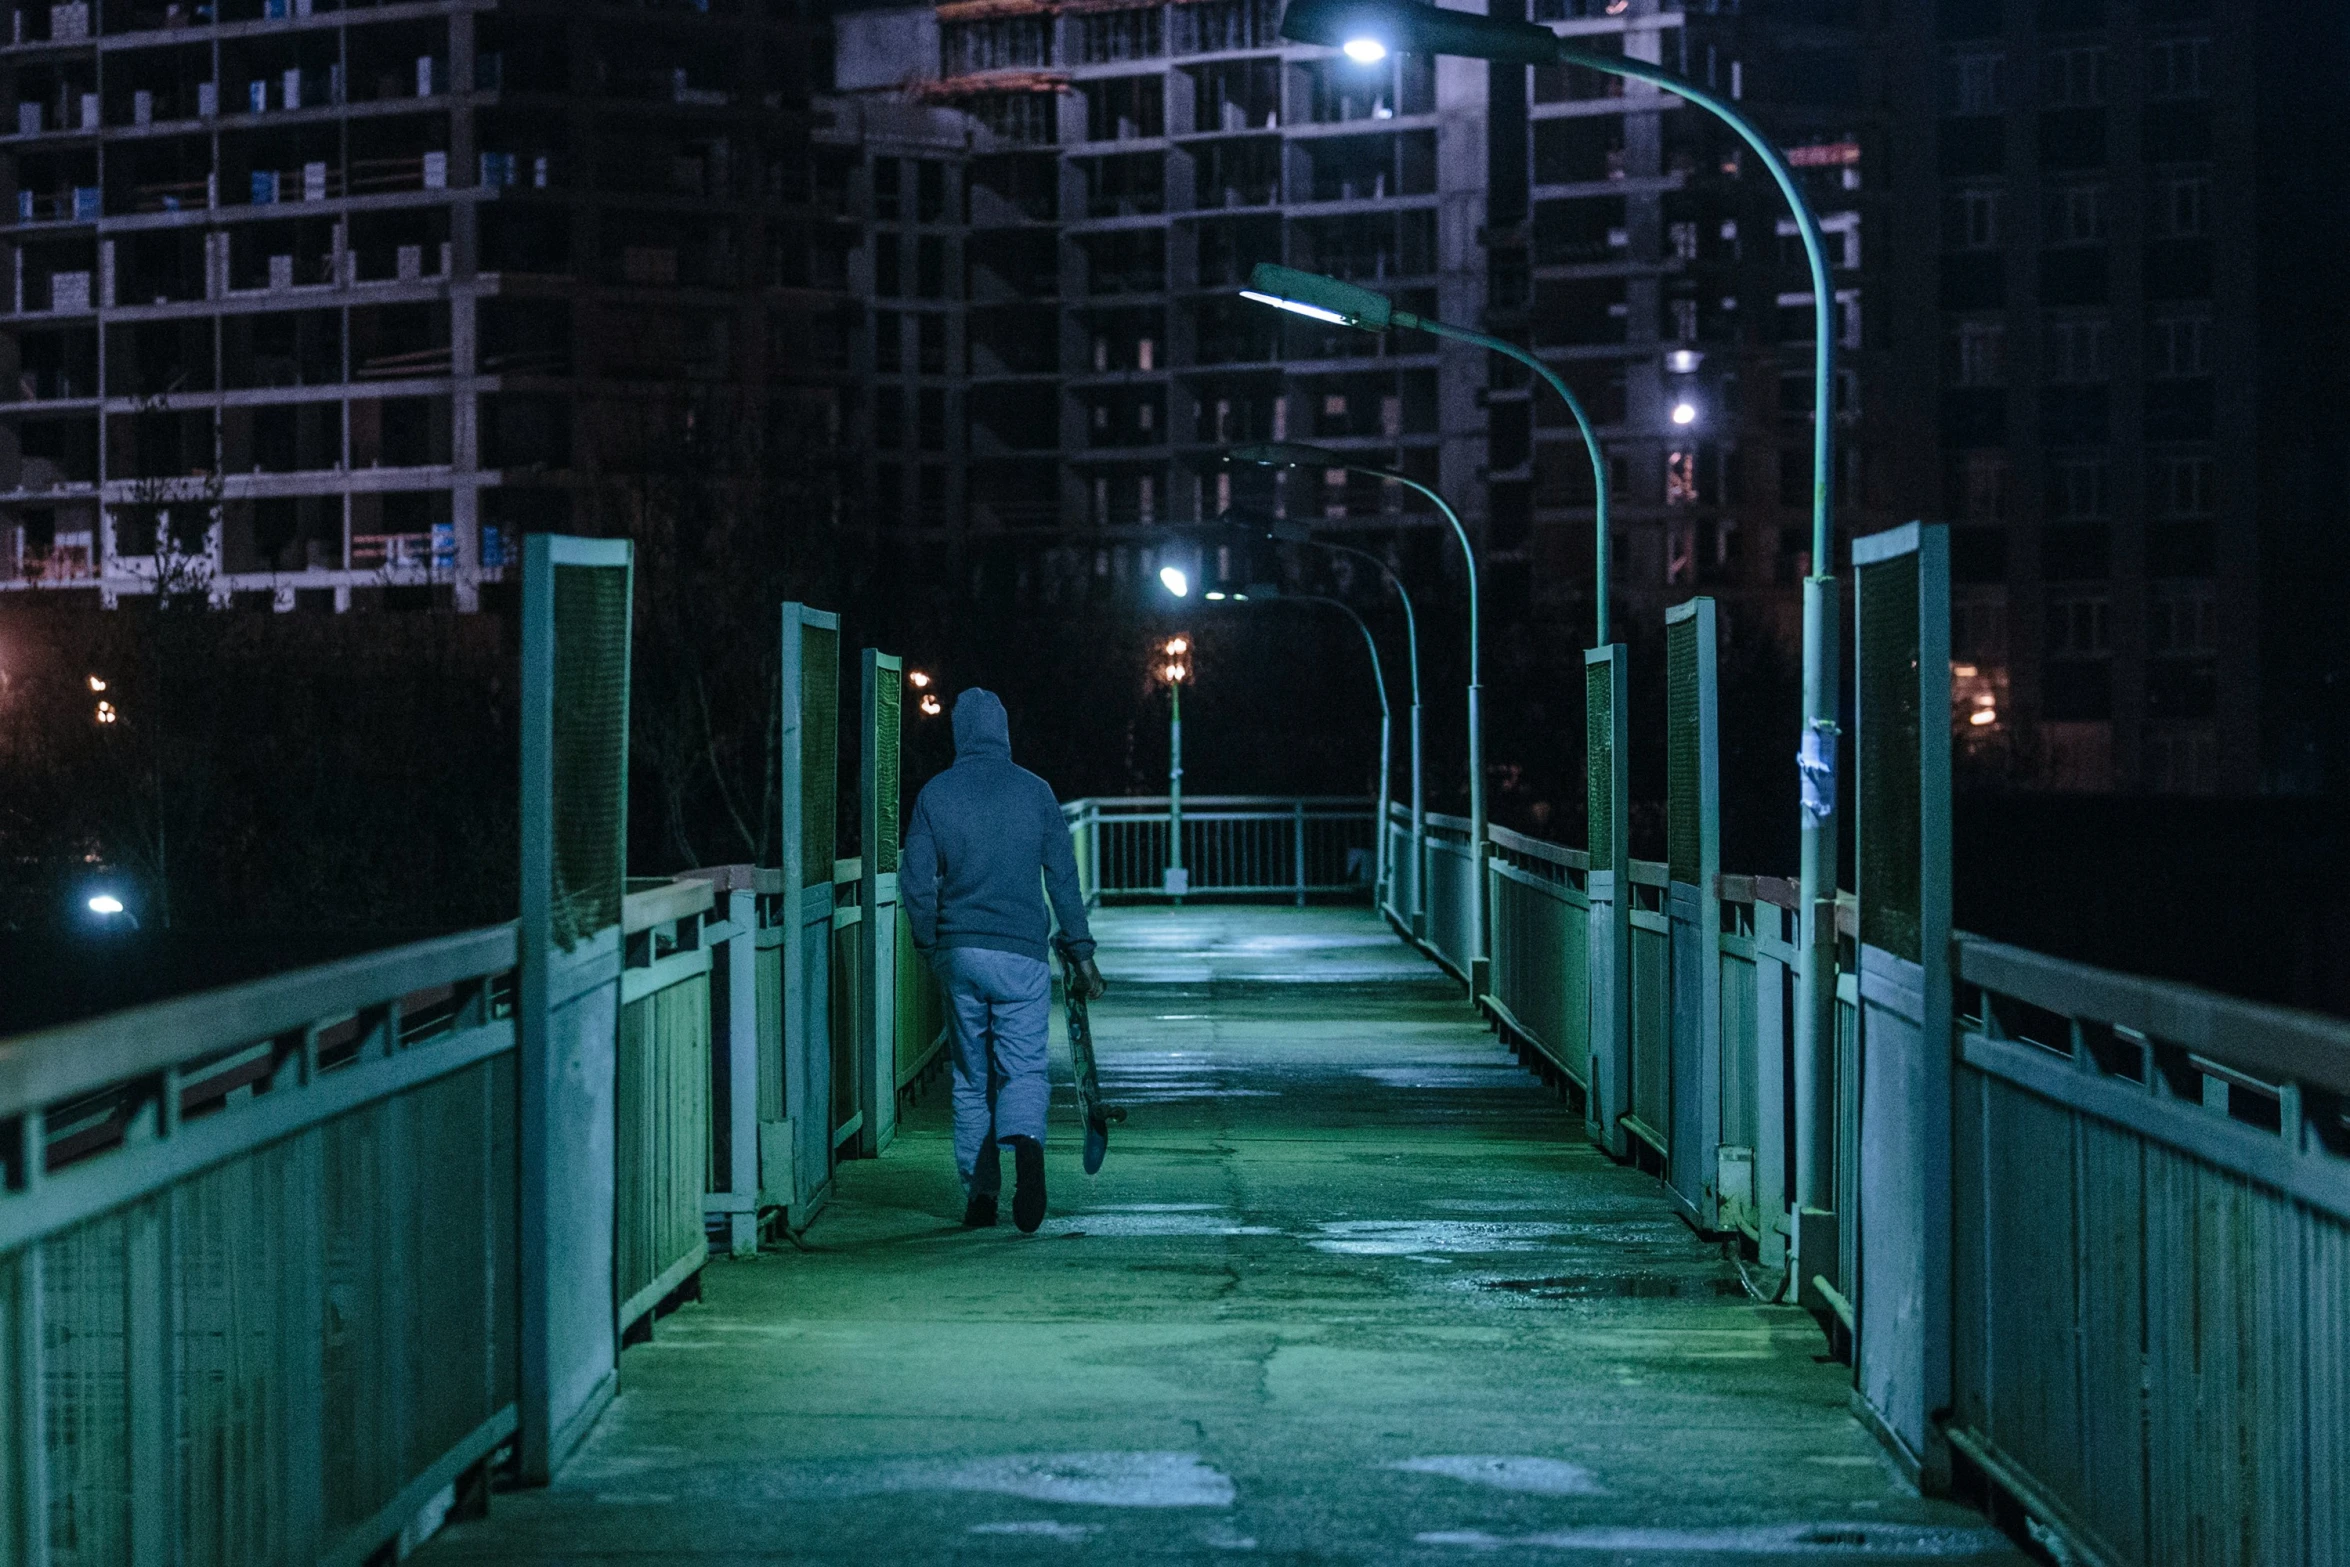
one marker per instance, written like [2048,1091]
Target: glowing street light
[1410,27]
[930,705]
[106,713]
[1174,580]
[106,903]
[1176,881]
[1365,51]
[1327,299]
[917,679]
[97,684]
[1684,413]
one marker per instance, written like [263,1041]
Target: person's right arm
[918,877]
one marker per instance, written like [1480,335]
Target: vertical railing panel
[809,798]
[878,787]
[664,1118]
[575,665]
[1901,1295]
[1693,905]
[1606,736]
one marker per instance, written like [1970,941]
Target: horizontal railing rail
[1232,846]
[192,1188]
[2151,1187]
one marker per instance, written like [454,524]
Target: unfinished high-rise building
[315,304]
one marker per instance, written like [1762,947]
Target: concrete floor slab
[1351,1288]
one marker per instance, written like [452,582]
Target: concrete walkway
[1351,1289]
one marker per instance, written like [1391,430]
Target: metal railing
[258,1262]
[2149,1187]
[661,1105]
[1233,846]
[2152,1272]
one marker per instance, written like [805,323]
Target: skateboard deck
[1098,1115]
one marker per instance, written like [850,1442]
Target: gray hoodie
[982,830]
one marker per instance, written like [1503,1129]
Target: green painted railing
[661,1122]
[1244,846]
[258,1264]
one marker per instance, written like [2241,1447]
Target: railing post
[1299,834]
[734,1052]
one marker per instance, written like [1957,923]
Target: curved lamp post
[1266,594]
[1368,30]
[1288,531]
[1291,454]
[1320,298]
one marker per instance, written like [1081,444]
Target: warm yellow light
[917,679]
[1179,645]
[1982,716]
[96,684]
[106,713]
[929,704]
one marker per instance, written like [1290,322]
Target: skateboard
[1098,1115]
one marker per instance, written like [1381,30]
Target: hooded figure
[986,844]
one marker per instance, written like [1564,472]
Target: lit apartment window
[2075,78]
[2182,206]
[2076,350]
[1975,83]
[2179,484]
[2179,346]
[2076,214]
[2077,625]
[1682,237]
[1979,354]
[2176,67]
[2077,488]
[1970,219]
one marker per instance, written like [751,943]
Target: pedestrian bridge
[1480,1194]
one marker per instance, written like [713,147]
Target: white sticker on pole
[1816,764]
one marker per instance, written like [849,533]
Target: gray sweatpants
[999,1009]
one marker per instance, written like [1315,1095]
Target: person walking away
[969,878]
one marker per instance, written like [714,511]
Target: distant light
[1684,413]
[96,684]
[1963,671]
[106,903]
[1983,716]
[106,713]
[1174,581]
[929,704]
[1215,597]
[1179,645]
[1365,51]
[918,680]
[1311,312]
[1240,598]
[1682,360]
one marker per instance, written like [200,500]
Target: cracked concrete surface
[1351,1288]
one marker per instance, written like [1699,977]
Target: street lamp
[1410,27]
[1291,454]
[1326,299]
[1378,675]
[1289,531]
[1266,592]
[1173,658]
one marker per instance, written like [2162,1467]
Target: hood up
[981,729]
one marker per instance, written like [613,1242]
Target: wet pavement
[1351,1288]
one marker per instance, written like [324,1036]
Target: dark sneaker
[1028,1190]
[979,1212]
